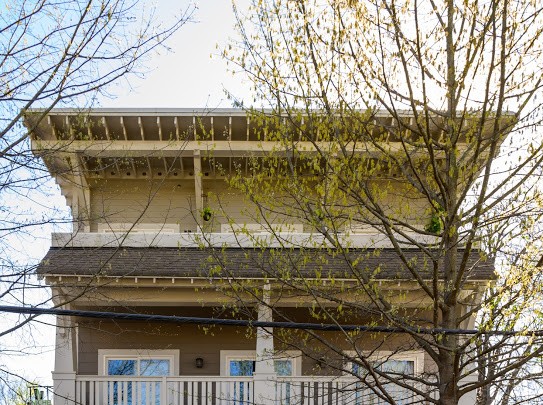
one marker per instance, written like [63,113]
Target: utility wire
[257,324]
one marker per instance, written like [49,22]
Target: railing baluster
[163,392]
[79,394]
[121,393]
[109,399]
[190,397]
[325,390]
[92,391]
[219,393]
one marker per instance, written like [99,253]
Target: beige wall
[173,202]
[168,202]
[128,201]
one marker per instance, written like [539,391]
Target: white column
[469,323]
[264,375]
[64,373]
[468,399]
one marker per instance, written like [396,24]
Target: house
[142,186]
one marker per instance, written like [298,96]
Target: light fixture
[199,362]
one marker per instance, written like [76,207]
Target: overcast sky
[193,73]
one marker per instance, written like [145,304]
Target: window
[242,363]
[237,363]
[396,365]
[137,363]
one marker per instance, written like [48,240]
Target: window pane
[399,366]
[239,368]
[121,367]
[154,367]
[356,368]
[283,367]
[407,367]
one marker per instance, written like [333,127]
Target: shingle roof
[238,262]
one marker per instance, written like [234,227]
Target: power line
[255,324]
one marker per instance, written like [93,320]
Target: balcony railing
[186,390]
[130,390]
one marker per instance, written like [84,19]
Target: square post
[64,372]
[264,375]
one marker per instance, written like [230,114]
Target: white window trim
[417,356]
[259,228]
[123,227]
[227,355]
[106,354]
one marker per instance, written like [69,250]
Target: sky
[191,75]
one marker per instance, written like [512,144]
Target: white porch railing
[325,391]
[187,390]
[129,390]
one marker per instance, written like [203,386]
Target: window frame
[137,354]
[417,356]
[227,355]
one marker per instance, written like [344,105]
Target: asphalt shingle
[238,262]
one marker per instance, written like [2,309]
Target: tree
[418,122]
[52,54]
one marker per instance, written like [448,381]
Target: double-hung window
[398,368]
[239,363]
[132,367]
[242,363]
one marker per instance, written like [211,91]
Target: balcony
[186,390]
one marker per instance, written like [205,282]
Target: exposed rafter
[176,124]
[53,127]
[69,127]
[124,129]
[89,129]
[159,128]
[198,181]
[108,136]
[142,130]
[106,128]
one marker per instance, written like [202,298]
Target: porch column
[64,373]
[264,375]
[469,323]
